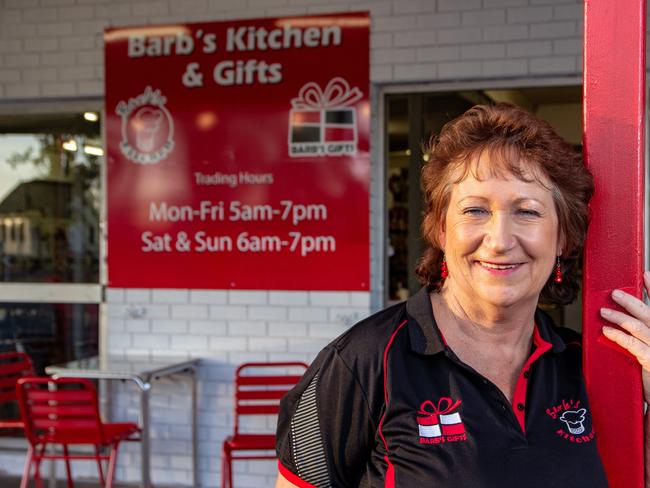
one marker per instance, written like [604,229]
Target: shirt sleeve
[326,428]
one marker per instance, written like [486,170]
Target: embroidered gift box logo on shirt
[440,423]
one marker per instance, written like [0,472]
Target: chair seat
[250,441]
[112,432]
[120,430]
[11,424]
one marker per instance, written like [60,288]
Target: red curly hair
[518,144]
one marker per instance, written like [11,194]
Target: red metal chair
[258,390]
[65,411]
[13,366]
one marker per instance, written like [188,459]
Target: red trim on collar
[519,398]
[442,336]
[292,478]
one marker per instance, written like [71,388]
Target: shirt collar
[426,337]
[423,330]
[546,330]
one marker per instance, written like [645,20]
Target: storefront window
[50,195]
[49,333]
[49,204]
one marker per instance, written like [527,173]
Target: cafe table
[143,371]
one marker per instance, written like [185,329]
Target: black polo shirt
[388,404]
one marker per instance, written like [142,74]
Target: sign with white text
[238,154]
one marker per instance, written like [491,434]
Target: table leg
[145,442]
[195,460]
[51,483]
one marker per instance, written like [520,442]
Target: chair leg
[28,467]
[37,466]
[230,471]
[226,468]
[102,481]
[68,470]
[111,465]
[223,468]
[37,474]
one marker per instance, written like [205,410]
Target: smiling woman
[501,238]
[464,383]
[505,142]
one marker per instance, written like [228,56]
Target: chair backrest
[260,386]
[13,366]
[64,409]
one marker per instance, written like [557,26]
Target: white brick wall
[52,49]
[224,328]
[66,35]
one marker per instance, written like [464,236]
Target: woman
[468,383]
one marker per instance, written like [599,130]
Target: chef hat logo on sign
[147,127]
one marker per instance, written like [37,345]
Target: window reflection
[49,201]
[49,333]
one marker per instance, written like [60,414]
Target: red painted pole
[614,103]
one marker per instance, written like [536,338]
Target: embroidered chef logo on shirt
[572,419]
[440,423]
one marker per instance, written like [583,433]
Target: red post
[614,104]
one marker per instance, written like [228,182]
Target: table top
[140,369]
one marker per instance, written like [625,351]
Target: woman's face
[500,238]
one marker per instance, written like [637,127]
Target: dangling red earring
[443,268]
[558,271]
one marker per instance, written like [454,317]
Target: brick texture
[412,40]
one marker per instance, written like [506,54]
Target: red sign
[238,154]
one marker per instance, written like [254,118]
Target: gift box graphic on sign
[440,420]
[324,116]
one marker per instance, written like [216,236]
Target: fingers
[634,332]
[633,305]
[635,346]
[636,327]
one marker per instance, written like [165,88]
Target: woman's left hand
[635,333]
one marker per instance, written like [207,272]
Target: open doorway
[411,119]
